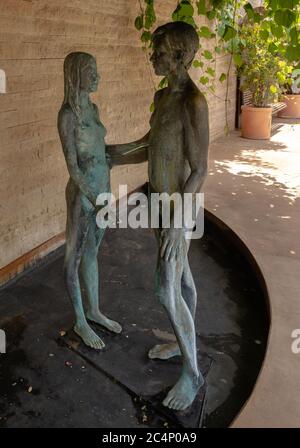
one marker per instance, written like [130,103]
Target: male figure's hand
[172,244]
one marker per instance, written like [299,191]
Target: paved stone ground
[254,187]
[43,383]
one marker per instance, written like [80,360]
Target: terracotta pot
[292,109]
[256,122]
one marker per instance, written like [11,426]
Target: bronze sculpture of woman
[82,137]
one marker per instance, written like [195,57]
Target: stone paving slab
[254,188]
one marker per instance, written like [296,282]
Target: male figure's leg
[189,294]
[168,290]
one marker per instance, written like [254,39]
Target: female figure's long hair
[73,65]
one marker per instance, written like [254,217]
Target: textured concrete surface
[35,38]
[72,387]
[254,187]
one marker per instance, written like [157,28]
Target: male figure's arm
[196,126]
[118,154]
[133,152]
[196,135]
[196,131]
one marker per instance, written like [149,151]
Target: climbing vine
[218,24]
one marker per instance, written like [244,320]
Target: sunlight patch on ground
[280,165]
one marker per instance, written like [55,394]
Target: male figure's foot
[164,351]
[89,337]
[182,395]
[99,318]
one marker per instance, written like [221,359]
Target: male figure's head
[174,47]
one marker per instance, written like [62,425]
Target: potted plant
[262,73]
[291,96]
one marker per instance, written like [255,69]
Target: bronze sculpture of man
[177,163]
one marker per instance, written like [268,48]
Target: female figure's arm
[66,129]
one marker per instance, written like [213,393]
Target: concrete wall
[35,36]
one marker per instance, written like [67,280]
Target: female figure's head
[174,46]
[80,76]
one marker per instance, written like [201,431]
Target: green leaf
[273,89]
[221,29]
[281,78]
[223,77]
[277,31]
[184,12]
[202,7]
[211,14]
[218,50]
[207,54]
[233,46]
[184,9]
[265,25]
[285,17]
[146,36]
[229,33]
[257,17]
[139,22]
[198,64]
[205,32]
[292,52]
[163,83]
[150,17]
[216,3]
[281,48]
[211,71]
[273,4]
[272,48]
[189,20]
[294,35]
[264,34]
[249,10]
[238,60]
[204,80]
[289,4]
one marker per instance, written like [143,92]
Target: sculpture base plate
[190,418]
[124,360]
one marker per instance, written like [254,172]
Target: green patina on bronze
[82,137]
[176,148]
[177,162]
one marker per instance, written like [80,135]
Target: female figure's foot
[164,351]
[99,318]
[182,395]
[89,337]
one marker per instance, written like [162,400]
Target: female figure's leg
[90,275]
[78,222]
